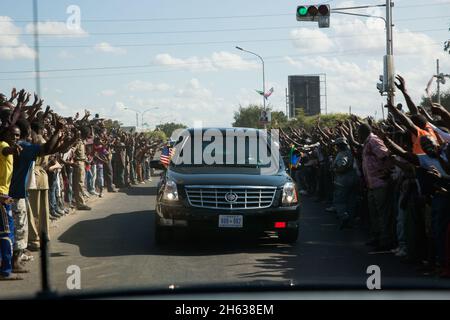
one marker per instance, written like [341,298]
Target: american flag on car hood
[166,154]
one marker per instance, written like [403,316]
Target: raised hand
[27,99]
[36,99]
[436,108]
[401,83]
[13,94]
[21,96]
[39,104]
[348,122]
[420,109]
[354,118]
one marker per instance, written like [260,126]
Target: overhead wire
[273,59]
[195,43]
[98,20]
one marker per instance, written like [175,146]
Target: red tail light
[280,225]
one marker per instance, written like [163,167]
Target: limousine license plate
[230,221]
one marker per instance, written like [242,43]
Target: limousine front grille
[230,197]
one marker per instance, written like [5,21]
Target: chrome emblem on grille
[231,197]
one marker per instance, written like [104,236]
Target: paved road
[113,246]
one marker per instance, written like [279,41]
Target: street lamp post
[141,113]
[264,80]
[137,115]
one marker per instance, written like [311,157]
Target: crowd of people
[390,176]
[50,164]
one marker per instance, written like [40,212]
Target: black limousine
[223,179]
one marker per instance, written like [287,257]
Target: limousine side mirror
[157,165]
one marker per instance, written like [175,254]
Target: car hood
[229,179]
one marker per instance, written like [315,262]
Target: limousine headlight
[170,191]
[289,194]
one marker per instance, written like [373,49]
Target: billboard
[304,93]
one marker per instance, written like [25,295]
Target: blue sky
[180,56]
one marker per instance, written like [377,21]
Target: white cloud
[66,110]
[60,107]
[310,40]
[107,92]
[231,61]
[348,83]
[108,48]
[55,28]
[246,97]
[139,85]
[193,90]
[361,37]
[357,34]
[353,83]
[222,60]
[119,105]
[196,102]
[351,54]
[191,102]
[10,44]
[192,63]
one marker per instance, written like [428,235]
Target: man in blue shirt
[17,190]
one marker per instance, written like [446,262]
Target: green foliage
[248,117]
[279,119]
[110,124]
[156,135]
[308,122]
[169,127]
[447,45]
[445,100]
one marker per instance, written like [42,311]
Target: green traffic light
[302,11]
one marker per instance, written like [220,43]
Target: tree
[279,119]
[447,45]
[248,117]
[308,122]
[156,135]
[169,127]
[110,124]
[445,100]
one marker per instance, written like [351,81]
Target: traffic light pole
[389,40]
[389,51]
[438,83]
